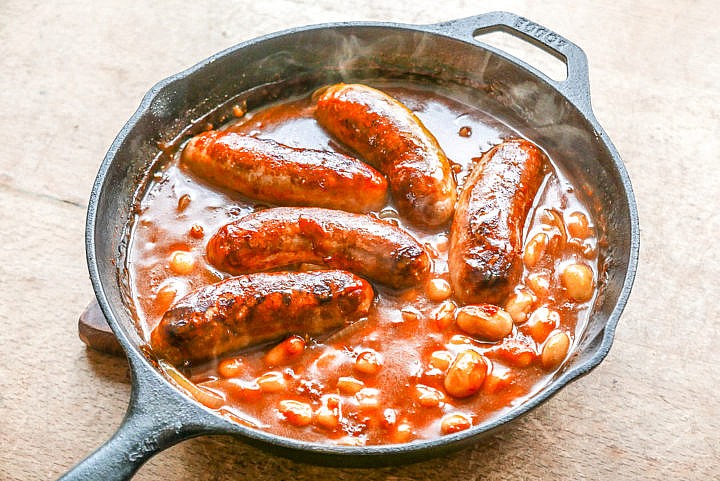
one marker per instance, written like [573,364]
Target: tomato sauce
[382,379]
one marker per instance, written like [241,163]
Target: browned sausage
[241,311]
[390,137]
[283,236]
[272,172]
[485,256]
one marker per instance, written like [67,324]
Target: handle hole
[533,55]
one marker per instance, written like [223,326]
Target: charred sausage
[268,171]
[241,311]
[390,137]
[283,236]
[485,255]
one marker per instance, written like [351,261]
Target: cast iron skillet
[557,115]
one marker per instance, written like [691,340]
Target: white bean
[295,412]
[555,350]
[484,321]
[541,323]
[577,279]
[466,374]
[453,423]
[519,305]
[534,249]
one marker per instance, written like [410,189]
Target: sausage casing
[485,255]
[241,311]
[391,138]
[268,171]
[283,236]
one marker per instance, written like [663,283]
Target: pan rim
[448,442]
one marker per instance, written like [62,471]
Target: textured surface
[71,74]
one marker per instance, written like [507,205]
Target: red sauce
[395,392]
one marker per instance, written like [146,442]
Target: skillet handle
[576,87]
[151,424]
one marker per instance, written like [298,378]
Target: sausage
[485,254]
[391,138]
[241,311]
[283,236]
[268,171]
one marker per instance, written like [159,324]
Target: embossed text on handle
[539,32]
